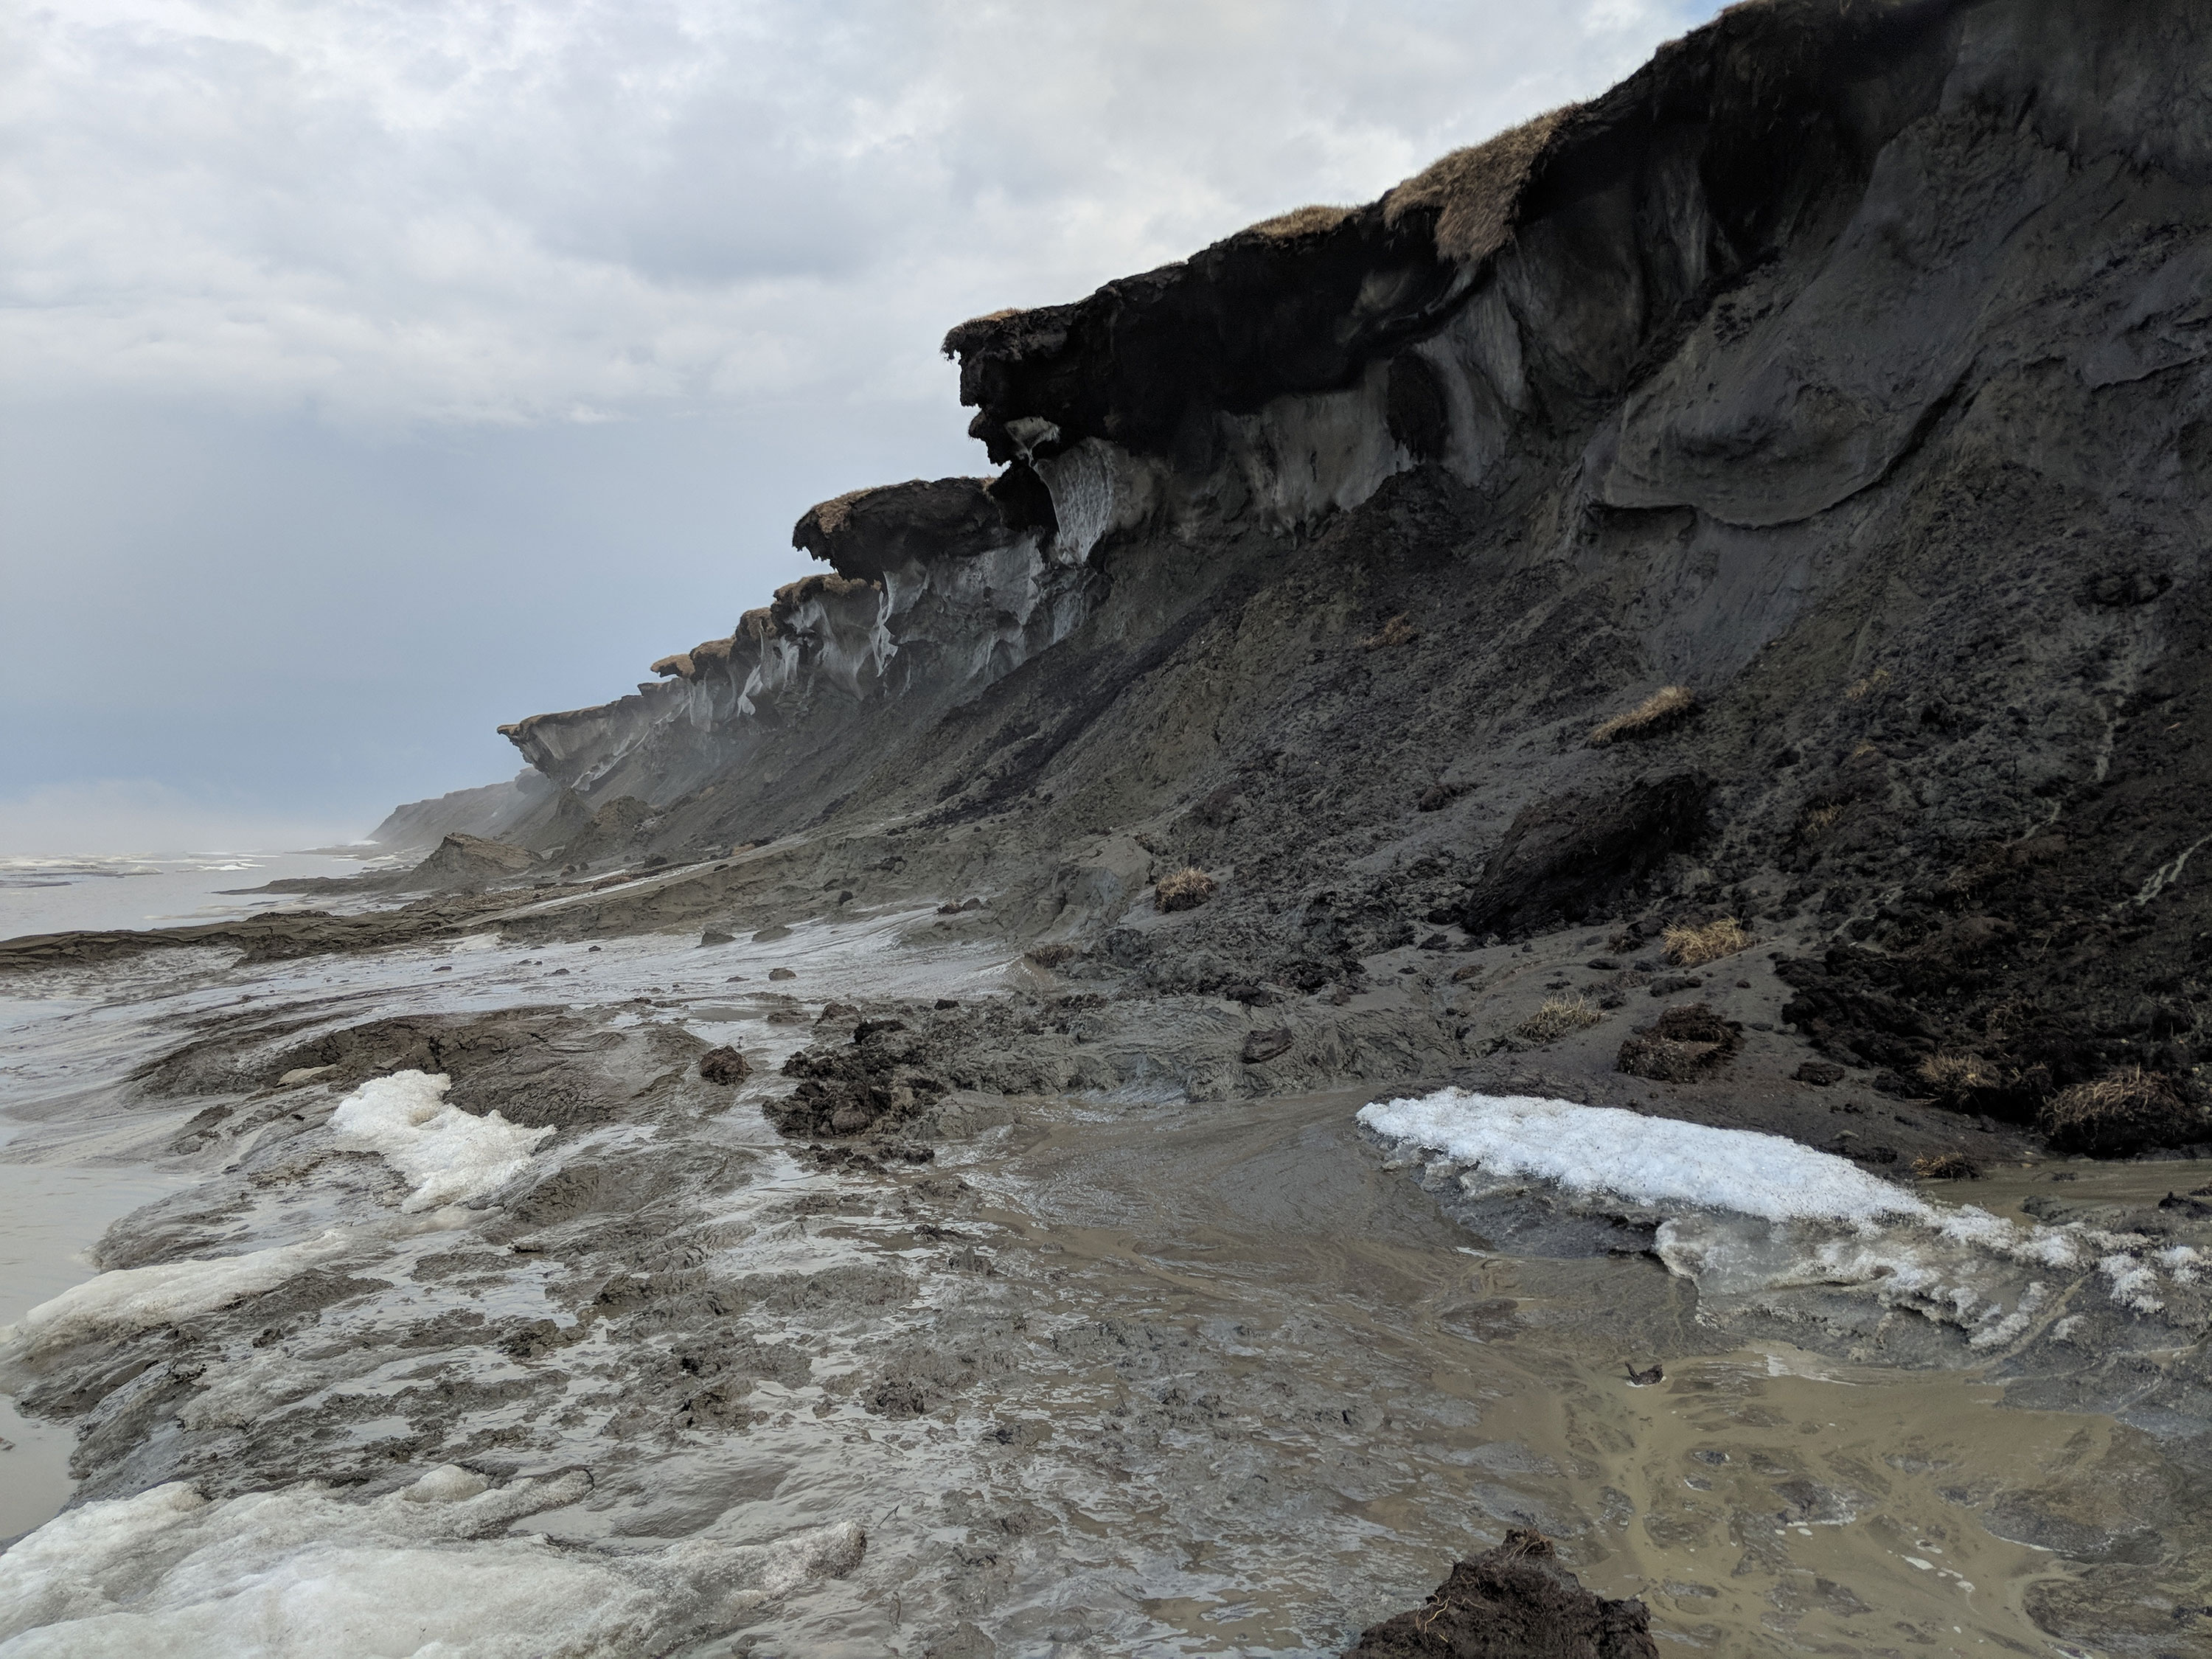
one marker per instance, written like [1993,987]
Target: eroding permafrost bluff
[1696,604]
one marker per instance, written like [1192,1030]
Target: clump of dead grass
[1946,1166]
[2121,1112]
[1954,1077]
[1300,222]
[1051,955]
[1186,889]
[1558,1017]
[834,513]
[1690,947]
[1662,708]
[1819,820]
[1476,191]
[1860,690]
[1399,630]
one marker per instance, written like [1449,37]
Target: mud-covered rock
[724,1066]
[464,860]
[535,1065]
[1576,856]
[857,1087]
[1515,1601]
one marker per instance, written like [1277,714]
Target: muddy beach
[1087,1371]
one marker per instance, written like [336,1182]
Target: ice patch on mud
[423,1569]
[1647,1160]
[133,1299]
[450,1156]
[1751,1215]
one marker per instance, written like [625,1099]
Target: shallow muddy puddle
[1758,1501]
[2020,1190]
[51,1215]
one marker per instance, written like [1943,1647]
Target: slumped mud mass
[1694,607]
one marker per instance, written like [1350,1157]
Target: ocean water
[166,890]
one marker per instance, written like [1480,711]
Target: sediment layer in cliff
[1844,367]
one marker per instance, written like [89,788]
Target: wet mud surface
[1091,1374]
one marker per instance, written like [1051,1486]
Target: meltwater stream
[1100,1377]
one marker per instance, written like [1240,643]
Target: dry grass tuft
[1689,947]
[1953,1076]
[1300,222]
[1399,630]
[834,514]
[1476,191]
[1661,709]
[1558,1017]
[1819,820]
[1186,889]
[2121,1112]
[1946,1166]
[1861,691]
[1051,955]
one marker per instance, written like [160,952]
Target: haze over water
[93,892]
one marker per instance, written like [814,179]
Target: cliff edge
[1774,494]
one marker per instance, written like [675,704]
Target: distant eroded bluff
[1845,366]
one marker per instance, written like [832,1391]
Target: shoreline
[1013,1213]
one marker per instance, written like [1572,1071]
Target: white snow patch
[452,1156]
[131,1299]
[2134,1284]
[1754,1213]
[1647,1160]
[421,1572]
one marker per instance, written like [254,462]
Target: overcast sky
[374,374]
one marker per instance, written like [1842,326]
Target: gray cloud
[293,294]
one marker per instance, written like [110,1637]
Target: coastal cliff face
[1167,1045]
[1845,367]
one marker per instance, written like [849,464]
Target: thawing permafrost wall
[1293,461]
[936,629]
[953,623]
[1300,458]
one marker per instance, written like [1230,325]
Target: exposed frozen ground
[1100,1378]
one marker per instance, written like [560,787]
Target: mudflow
[1694,607]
